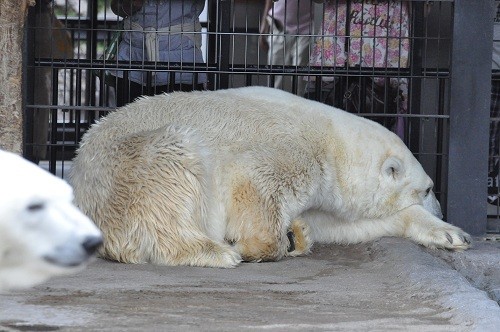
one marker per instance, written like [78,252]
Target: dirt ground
[390,284]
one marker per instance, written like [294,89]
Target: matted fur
[210,178]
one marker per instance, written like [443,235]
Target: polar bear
[42,234]
[210,178]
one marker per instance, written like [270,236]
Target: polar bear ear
[392,167]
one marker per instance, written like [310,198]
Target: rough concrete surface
[391,284]
[480,264]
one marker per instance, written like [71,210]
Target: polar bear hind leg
[254,225]
[158,203]
[299,237]
[257,221]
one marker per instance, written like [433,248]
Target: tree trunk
[12,18]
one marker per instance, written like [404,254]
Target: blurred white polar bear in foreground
[210,178]
[42,234]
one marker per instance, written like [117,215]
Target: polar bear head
[404,178]
[393,178]
[42,233]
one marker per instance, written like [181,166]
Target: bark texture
[12,19]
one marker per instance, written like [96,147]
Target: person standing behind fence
[159,31]
[288,25]
[365,33]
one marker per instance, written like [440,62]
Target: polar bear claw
[449,238]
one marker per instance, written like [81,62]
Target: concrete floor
[391,284]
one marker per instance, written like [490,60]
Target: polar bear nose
[91,243]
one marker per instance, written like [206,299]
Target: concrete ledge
[459,288]
[480,264]
[391,284]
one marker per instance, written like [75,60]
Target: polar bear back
[271,113]
[230,122]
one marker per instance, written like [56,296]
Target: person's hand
[264,30]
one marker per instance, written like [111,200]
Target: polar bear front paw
[226,257]
[446,237]
[206,254]
[299,238]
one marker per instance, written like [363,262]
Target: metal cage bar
[469,115]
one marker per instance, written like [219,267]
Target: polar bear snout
[62,235]
[74,254]
[91,244]
[432,205]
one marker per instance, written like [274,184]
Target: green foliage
[76,8]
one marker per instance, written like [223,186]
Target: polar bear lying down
[255,174]
[42,234]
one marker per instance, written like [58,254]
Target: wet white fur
[205,178]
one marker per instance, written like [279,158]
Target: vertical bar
[415,82]
[440,147]
[469,114]
[54,127]
[91,52]
[224,16]
[28,86]
[212,27]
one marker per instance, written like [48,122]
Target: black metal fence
[445,78]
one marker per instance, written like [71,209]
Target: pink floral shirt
[379,31]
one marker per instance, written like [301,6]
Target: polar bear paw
[206,253]
[446,237]
[299,239]
[224,257]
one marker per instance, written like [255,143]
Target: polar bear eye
[34,207]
